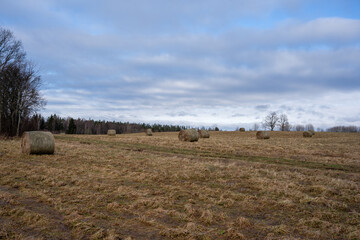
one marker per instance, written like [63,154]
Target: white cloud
[170,62]
[325,30]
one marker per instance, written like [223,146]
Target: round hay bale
[307,134]
[148,132]
[312,132]
[111,132]
[242,129]
[262,135]
[37,142]
[203,134]
[189,135]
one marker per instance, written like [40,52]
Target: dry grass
[230,186]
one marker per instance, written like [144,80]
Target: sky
[199,63]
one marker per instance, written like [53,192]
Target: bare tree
[344,129]
[309,127]
[319,129]
[11,52]
[10,49]
[19,84]
[284,123]
[299,127]
[256,126]
[271,121]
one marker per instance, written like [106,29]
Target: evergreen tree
[59,126]
[50,123]
[42,123]
[72,127]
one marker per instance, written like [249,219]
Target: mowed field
[230,186]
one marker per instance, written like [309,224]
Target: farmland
[230,186]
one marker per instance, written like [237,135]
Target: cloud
[286,108]
[324,30]
[182,114]
[262,107]
[352,119]
[199,62]
[238,115]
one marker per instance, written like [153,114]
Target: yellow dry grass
[230,186]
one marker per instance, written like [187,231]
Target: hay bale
[242,129]
[262,135]
[111,132]
[189,135]
[203,134]
[148,132]
[37,142]
[307,134]
[312,132]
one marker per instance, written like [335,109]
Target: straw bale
[307,134]
[148,132]
[203,134]
[37,142]
[111,132]
[189,135]
[312,132]
[262,135]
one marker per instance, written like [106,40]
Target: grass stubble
[230,186]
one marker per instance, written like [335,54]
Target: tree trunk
[1,109]
[18,111]
[18,125]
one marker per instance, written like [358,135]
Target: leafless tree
[309,127]
[283,123]
[21,95]
[256,126]
[344,129]
[299,127]
[19,85]
[11,50]
[271,121]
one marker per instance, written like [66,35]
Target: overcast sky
[202,63]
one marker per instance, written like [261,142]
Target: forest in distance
[57,124]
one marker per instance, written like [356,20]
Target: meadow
[230,186]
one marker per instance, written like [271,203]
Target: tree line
[344,129]
[57,124]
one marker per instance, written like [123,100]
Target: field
[230,186]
